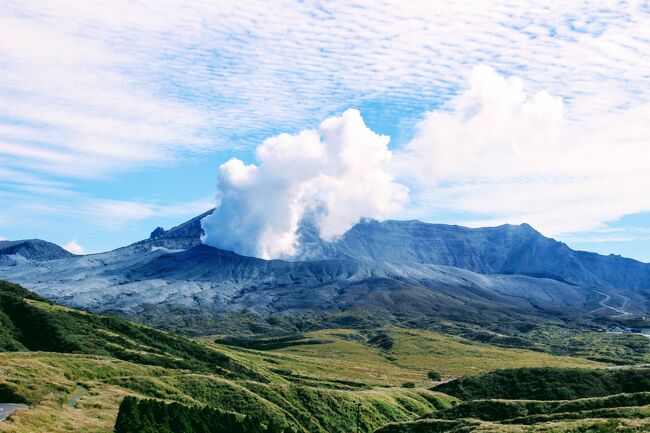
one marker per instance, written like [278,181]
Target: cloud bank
[497,153]
[334,176]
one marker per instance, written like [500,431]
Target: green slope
[52,352]
[548,384]
[317,382]
[29,323]
[542,400]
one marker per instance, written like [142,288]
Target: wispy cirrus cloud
[109,214]
[138,81]
[89,89]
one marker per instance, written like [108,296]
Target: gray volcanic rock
[183,236]
[212,280]
[33,249]
[158,232]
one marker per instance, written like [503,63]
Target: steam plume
[335,175]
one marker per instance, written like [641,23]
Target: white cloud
[68,109]
[500,154]
[2,238]
[611,234]
[135,82]
[334,175]
[491,130]
[90,88]
[74,247]
[116,214]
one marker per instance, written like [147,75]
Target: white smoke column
[337,174]
[73,247]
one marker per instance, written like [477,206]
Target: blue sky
[116,116]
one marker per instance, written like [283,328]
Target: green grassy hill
[349,355]
[74,369]
[548,384]
[29,323]
[52,353]
[542,400]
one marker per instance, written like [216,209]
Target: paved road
[7,409]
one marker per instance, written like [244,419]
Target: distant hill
[33,249]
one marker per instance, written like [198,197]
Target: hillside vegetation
[142,416]
[548,384]
[542,400]
[355,356]
[46,381]
[75,369]
[29,323]
[109,359]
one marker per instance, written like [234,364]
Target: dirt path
[604,304]
[79,392]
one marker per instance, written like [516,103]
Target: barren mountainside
[394,267]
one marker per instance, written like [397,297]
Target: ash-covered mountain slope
[205,279]
[394,267]
[506,249]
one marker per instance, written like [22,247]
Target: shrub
[139,416]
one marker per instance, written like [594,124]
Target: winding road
[7,409]
[620,310]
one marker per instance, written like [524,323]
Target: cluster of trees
[269,343]
[152,416]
